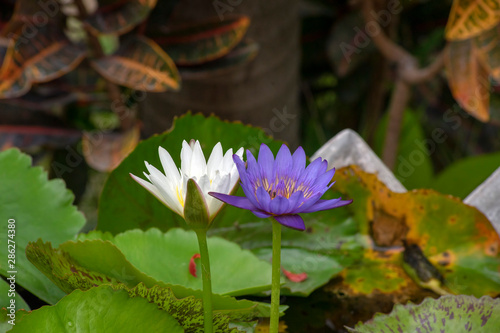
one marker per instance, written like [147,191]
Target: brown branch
[399,99]
[408,73]
[125,115]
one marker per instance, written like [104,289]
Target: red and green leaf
[119,17]
[139,64]
[205,41]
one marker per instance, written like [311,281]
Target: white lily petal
[170,197]
[227,162]
[215,160]
[154,190]
[198,162]
[168,165]
[186,154]
[204,184]
[222,186]
[148,186]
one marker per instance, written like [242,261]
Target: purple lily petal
[299,161]
[240,202]
[266,161]
[260,214]
[326,204]
[264,199]
[279,205]
[282,187]
[283,163]
[294,201]
[293,221]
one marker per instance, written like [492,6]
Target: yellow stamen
[180,196]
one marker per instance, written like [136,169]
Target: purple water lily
[284,187]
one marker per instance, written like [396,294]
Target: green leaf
[85,264]
[195,208]
[40,208]
[5,300]
[471,171]
[165,257]
[187,311]
[6,320]
[139,64]
[414,166]
[126,201]
[319,268]
[205,41]
[447,314]
[100,309]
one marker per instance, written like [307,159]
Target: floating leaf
[28,61]
[148,250]
[205,41]
[315,269]
[40,208]
[468,78]
[110,310]
[241,55]
[457,239]
[187,311]
[139,64]
[446,314]
[104,151]
[96,261]
[118,17]
[124,200]
[5,299]
[469,18]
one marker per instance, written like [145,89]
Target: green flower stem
[276,271]
[207,280]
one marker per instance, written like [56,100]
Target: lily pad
[165,257]
[319,269]
[40,208]
[125,201]
[447,314]
[100,309]
[85,264]
[457,239]
[5,300]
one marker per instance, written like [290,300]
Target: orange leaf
[468,78]
[469,18]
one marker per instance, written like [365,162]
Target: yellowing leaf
[469,18]
[468,78]
[140,64]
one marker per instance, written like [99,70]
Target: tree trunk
[263,93]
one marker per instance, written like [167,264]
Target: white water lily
[219,174]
